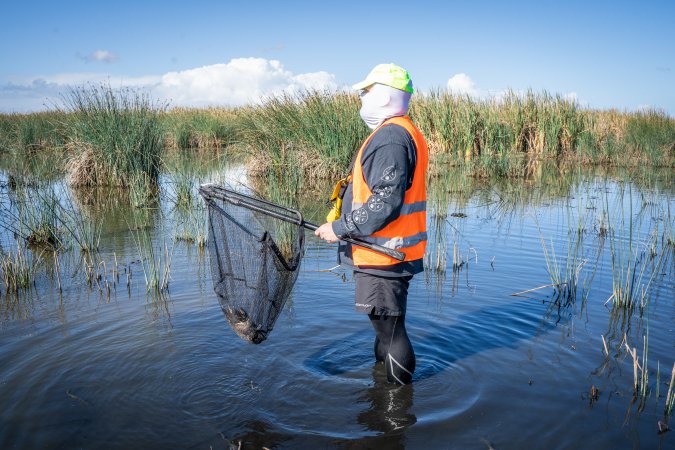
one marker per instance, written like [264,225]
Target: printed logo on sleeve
[349,222]
[360,216]
[389,174]
[375,203]
[383,191]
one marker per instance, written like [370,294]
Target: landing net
[255,250]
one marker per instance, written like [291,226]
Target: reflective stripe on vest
[408,232]
[397,242]
[405,208]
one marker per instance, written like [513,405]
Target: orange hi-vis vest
[408,232]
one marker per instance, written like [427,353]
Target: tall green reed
[650,136]
[317,133]
[115,136]
[191,128]
[565,272]
[155,260]
[312,133]
[83,230]
[24,134]
[47,219]
[636,255]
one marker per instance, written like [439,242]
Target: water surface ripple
[84,369]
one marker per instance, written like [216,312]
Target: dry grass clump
[307,162]
[608,124]
[83,169]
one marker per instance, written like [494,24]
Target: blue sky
[605,54]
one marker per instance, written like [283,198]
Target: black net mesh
[255,250]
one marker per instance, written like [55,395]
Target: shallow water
[88,369]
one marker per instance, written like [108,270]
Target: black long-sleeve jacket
[388,163]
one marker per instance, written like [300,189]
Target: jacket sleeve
[386,166]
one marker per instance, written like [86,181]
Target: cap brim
[362,85]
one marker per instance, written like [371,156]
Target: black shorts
[382,296]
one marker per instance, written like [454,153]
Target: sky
[603,54]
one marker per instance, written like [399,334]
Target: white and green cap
[389,75]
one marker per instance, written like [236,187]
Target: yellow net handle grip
[336,199]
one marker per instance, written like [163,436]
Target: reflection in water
[388,411]
[258,434]
[385,416]
[255,434]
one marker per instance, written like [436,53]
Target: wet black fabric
[393,347]
[382,296]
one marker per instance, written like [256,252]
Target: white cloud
[23,97]
[462,84]
[238,82]
[82,78]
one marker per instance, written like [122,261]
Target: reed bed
[315,134]
[505,135]
[191,226]
[180,191]
[181,185]
[452,188]
[26,133]
[116,134]
[31,169]
[189,213]
[564,272]
[189,128]
[115,137]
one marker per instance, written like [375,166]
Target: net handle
[398,256]
[239,199]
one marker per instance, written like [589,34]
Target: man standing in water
[385,203]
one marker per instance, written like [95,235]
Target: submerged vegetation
[18,268]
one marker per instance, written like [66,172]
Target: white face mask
[382,102]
